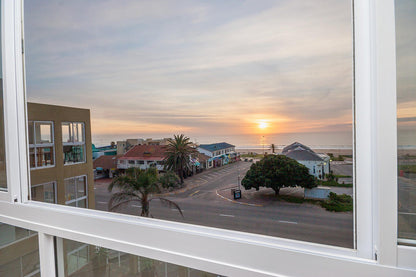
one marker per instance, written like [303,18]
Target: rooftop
[216,146]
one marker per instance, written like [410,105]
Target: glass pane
[74,154]
[88,260]
[78,132]
[82,203]
[81,185]
[43,132]
[406,117]
[255,88]
[44,156]
[66,132]
[19,251]
[70,189]
[3,183]
[44,192]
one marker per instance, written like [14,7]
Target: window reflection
[406,118]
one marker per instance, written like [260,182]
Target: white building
[220,153]
[318,164]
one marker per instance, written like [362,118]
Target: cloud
[206,67]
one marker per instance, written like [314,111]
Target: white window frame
[35,145]
[77,199]
[75,143]
[227,252]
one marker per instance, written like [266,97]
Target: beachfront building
[318,164]
[143,157]
[219,153]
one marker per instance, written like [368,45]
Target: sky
[208,69]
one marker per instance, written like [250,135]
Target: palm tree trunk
[145,206]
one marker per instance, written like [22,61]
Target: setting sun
[263,125]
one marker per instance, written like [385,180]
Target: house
[105,166]
[220,153]
[143,157]
[318,164]
[199,162]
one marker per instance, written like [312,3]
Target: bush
[170,180]
[338,203]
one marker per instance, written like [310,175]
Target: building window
[41,144]
[76,192]
[140,162]
[44,192]
[131,161]
[73,139]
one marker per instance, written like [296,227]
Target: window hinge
[23,47]
[375,253]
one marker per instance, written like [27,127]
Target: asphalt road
[202,206]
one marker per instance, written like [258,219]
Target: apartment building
[61,169]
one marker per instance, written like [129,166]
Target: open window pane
[44,192]
[88,260]
[3,183]
[260,90]
[406,118]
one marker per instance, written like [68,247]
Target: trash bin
[237,194]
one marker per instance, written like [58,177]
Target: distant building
[109,150]
[220,153]
[150,141]
[318,164]
[60,166]
[105,166]
[143,157]
[126,145]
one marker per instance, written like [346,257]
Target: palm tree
[138,185]
[178,152]
[272,147]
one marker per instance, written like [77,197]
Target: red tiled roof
[106,162]
[145,152]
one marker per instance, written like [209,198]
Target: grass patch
[252,155]
[408,168]
[335,202]
[333,183]
[338,203]
[342,176]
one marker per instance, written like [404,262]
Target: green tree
[138,185]
[178,152]
[276,172]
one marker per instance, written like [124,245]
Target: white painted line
[177,210]
[227,215]
[289,222]
[137,206]
[101,202]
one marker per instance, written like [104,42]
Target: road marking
[226,215]
[289,222]
[137,206]
[192,194]
[101,202]
[176,210]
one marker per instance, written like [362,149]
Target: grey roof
[303,155]
[300,152]
[296,145]
[216,146]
